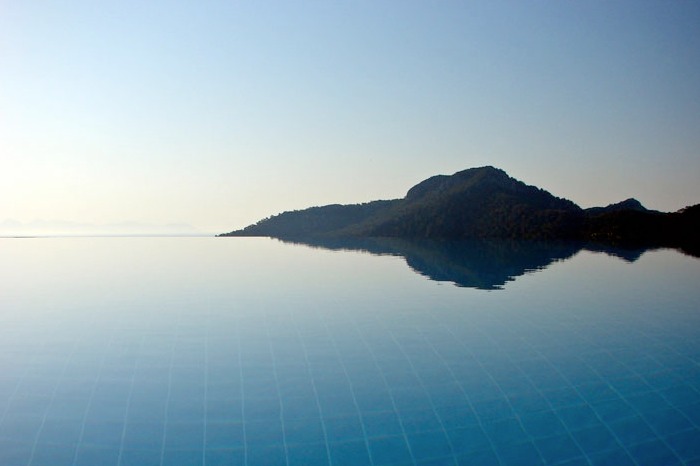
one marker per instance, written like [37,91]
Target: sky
[219,113]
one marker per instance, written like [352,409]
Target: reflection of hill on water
[485,264]
[482,264]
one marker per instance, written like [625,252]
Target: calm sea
[225,351]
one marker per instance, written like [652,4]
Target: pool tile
[223,409]
[631,385]
[343,428]
[334,386]
[685,444]
[542,424]
[646,402]
[303,431]
[112,390]
[389,450]
[653,452]
[578,417]
[273,455]
[336,405]
[558,449]
[550,381]
[595,439]
[442,461]
[260,390]
[613,410]
[107,410]
[57,431]
[182,457]
[478,458]
[50,454]
[517,454]
[223,434]
[380,424]
[369,402]
[663,379]
[409,398]
[692,412]
[68,408]
[480,389]
[261,409]
[667,421]
[224,389]
[514,384]
[307,454]
[607,366]
[631,431]
[420,420]
[468,439]
[681,396]
[505,432]
[144,435]
[350,453]
[402,379]
[443,395]
[90,455]
[612,458]
[223,457]
[493,409]
[185,410]
[426,445]
[299,407]
[598,391]
[184,435]
[574,369]
[266,432]
[20,427]
[14,452]
[529,402]
[456,416]
[106,434]
[563,397]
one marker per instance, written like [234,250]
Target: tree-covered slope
[314,221]
[475,203]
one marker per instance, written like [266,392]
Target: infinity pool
[218,351]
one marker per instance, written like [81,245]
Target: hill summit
[483,202]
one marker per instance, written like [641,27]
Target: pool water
[218,351]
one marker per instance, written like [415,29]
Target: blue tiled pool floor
[274,369]
[418,389]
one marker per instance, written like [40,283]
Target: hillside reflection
[481,264]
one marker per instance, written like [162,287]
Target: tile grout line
[277,387]
[352,392]
[92,395]
[169,391]
[51,402]
[313,386]
[240,373]
[128,403]
[206,384]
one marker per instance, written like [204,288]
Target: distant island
[485,203]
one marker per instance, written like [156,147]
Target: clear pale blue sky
[218,113]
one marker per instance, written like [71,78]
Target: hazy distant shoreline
[124,235]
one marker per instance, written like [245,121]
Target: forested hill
[315,221]
[485,203]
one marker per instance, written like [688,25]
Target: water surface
[138,351]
